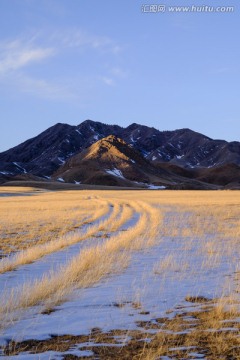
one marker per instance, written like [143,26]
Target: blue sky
[71,60]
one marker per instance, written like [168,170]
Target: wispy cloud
[118,72]
[107,80]
[81,39]
[15,55]
[45,88]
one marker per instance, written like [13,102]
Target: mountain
[111,161]
[179,154]
[44,153]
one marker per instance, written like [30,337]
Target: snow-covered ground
[144,291]
[156,293]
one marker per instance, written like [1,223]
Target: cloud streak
[45,89]
[80,39]
[15,55]
[107,80]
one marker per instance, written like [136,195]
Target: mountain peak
[133,126]
[113,139]
[109,160]
[88,122]
[112,146]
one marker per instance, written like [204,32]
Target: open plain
[127,274]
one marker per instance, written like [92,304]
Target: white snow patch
[156,187]
[154,158]
[79,132]
[4,173]
[62,161]
[51,355]
[140,183]
[131,138]
[20,167]
[196,355]
[115,172]
[77,182]
[179,156]
[60,179]
[150,186]
[145,153]
[212,165]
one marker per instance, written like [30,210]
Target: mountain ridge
[183,150]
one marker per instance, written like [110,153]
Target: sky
[119,62]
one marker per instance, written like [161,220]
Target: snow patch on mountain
[62,161]
[20,167]
[156,187]
[115,172]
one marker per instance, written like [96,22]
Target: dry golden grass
[84,269]
[31,220]
[212,331]
[120,214]
[204,222]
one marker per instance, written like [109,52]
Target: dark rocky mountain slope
[182,153]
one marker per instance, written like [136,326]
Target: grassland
[192,234]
